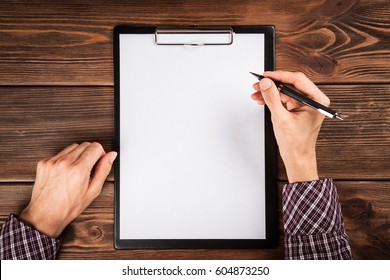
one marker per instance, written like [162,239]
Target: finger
[284,98]
[300,82]
[293,105]
[272,98]
[256,86]
[258,97]
[65,151]
[73,155]
[90,156]
[298,79]
[102,170]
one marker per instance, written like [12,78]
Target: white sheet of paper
[191,140]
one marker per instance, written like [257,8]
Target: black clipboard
[155,36]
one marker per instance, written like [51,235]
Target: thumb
[102,170]
[271,97]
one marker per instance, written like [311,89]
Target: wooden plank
[70,43]
[93,232]
[37,122]
[365,205]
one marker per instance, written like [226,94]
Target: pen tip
[338,117]
[257,75]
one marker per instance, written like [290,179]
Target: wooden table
[56,77]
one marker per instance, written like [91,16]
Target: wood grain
[56,88]
[70,42]
[365,205]
[37,122]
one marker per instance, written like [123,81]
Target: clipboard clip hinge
[199,36]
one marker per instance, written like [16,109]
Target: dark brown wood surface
[364,207]
[56,88]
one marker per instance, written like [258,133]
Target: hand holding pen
[296,126]
[303,99]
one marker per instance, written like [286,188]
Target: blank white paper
[191,140]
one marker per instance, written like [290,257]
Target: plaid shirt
[313,226]
[19,241]
[313,223]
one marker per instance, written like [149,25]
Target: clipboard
[197,157]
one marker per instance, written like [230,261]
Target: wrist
[40,223]
[302,169]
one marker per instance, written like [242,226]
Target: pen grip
[304,99]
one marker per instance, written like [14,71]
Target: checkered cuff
[19,241]
[313,222]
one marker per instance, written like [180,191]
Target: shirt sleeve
[313,222]
[19,241]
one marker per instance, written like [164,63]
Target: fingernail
[265,84]
[113,157]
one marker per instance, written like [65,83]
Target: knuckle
[97,149]
[97,146]
[62,162]
[84,145]
[42,163]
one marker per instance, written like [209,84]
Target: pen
[303,99]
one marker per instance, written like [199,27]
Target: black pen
[303,99]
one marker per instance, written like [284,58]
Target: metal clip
[227,40]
